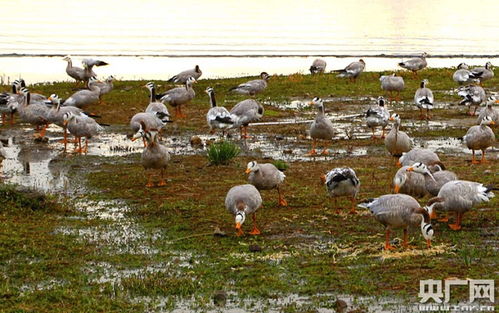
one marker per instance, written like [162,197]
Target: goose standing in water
[265,177]
[246,111]
[179,96]
[460,196]
[154,157]
[322,128]
[463,75]
[35,113]
[353,70]
[243,200]
[399,211]
[252,87]
[144,121]
[483,73]
[397,141]
[155,105]
[409,183]
[342,182]
[489,111]
[6,100]
[480,137]
[472,95]
[377,116]
[391,84]
[182,77]
[424,100]
[415,64]
[218,117]
[81,126]
[318,66]
[83,98]
[425,156]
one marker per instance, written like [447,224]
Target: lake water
[168,36]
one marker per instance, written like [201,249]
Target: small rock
[42,139]
[340,306]
[196,141]
[287,151]
[220,298]
[255,248]
[217,232]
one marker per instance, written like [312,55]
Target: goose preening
[218,117]
[463,75]
[318,66]
[415,64]
[154,157]
[342,182]
[424,99]
[377,116]
[89,64]
[391,84]
[425,156]
[472,95]
[243,200]
[433,180]
[252,87]
[480,137]
[155,105]
[81,126]
[265,177]
[399,211]
[179,96]
[84,97]
[397,141]
[409,183]
[147,121]
[182,77]
[460,196]
[353,70]
[321,128]
[483,73]
[35,113]
[105,86]
[489,111]
[246,111]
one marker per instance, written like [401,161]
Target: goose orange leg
[282,201]
[457,224]
[162,182]
[473,160]
[313,152]
[255,230]
[149,181]
[325,150]
[388,246]
[483,160]
[354,203]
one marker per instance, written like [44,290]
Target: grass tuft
[222,152]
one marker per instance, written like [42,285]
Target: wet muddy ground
[110,226]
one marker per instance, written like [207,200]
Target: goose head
[487,121]
[318,103]
[197,69]
[252,167]
[424,83]
[395,117]
[399,181]
[424,55]
[240,217]
[420,168]
[68,117]
[191,80]
[265,76]
[67,58]
[488,66]
[209,90]
[381,101]
[140,133]
[362,61]
[163,117]
[427,229]
[462,66]
[26,95]
[110,79]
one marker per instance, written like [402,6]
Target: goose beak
[247,171]
[398,163]
[323,179]
[410,169]
[396,189]
[238,228]
[65,123]
[492,123]
[391,119]
[497,101]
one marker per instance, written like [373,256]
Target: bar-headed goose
[154,157]
[246,111]
[105,86]
[425,156]
[84,97]
[459,196]
[342,181]
[7,100]
[399,211]
[397,141]
[321,128]
[433,181]
[489,111]
[179,96]
[353,70]
[243,200]
[81,126]
[35,113]
[472,95]
[155,105]
[409,183]
[252,87]
[483,73]
[182,77]
[318,66]
[423,98]
[377,116]
[148,121]
[480,137]
[265,177]
[463,75]
[218,117]
[78,73]
[391,84]
[415,64]
[88,65]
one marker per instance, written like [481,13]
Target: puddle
[107,210]
[455,146]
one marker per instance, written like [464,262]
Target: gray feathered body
[84,98]
[483,73]
[182,77]
[35,113]
[489,111]
[479,137]
[251,87]
[353,70]
[248,194]
[414,64]
[247,111]
[392,83]
[318,66]
[56,115]
[397,141]
[414,184]
[462,76]
[461,195]
[220,118]
[342,182]
[155,156]
[377,116]
[150,120]
[83,126]
[441,178]
[322,127]
[179,95]
[424,156]
[267,176]
[423,98]
[472,95]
